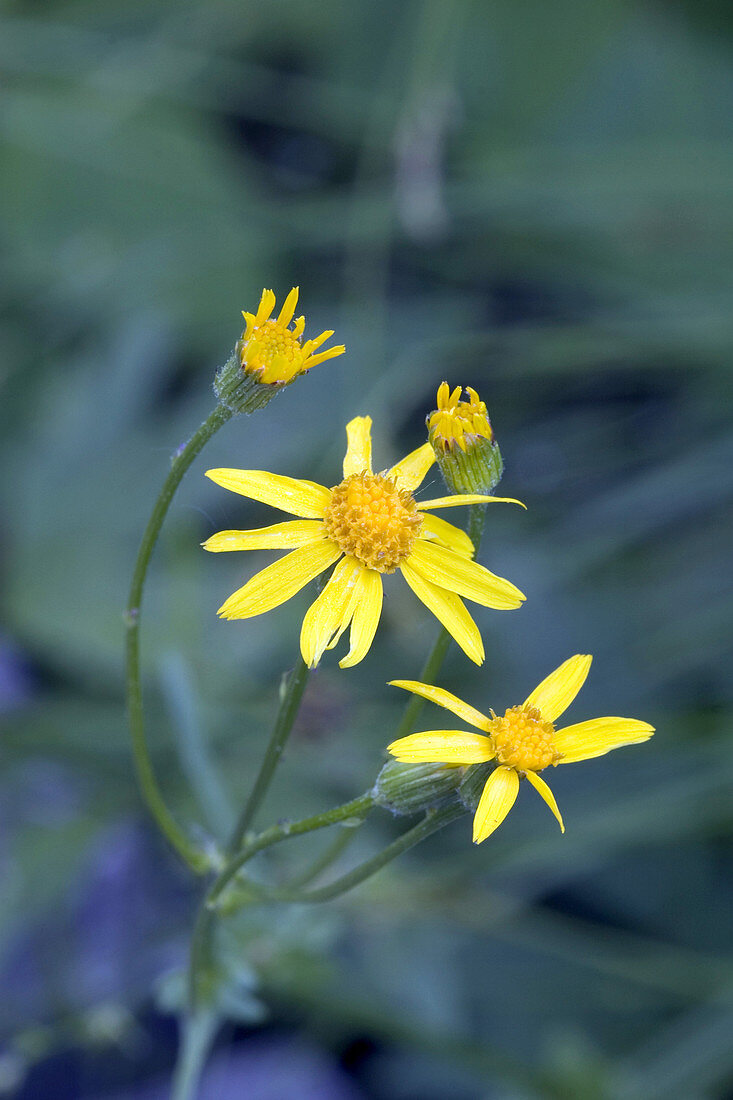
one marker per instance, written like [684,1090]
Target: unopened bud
[461,436]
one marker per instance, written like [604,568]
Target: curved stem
[286,715]
[431,823]
[143,764]
[358,807]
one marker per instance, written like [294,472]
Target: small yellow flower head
[269,355]
[461,437]
[367,525]
[522,743]
[273,352]
[456,423]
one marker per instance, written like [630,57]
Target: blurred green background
[532,199]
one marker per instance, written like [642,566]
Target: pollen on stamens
[374,521]
[522,740]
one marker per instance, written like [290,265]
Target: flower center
[523,741]
[272,351]
[374,521]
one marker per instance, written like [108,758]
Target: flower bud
[411,788]
[269,356]
[461,436]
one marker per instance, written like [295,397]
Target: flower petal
[457,574]
[329,353]
[468,498]
[411,471]
[288,309]
[278,582]
[266,306]
[442,747]
[366,607]
[449,609]
[281,536]
[447,700]
[328,616]
[598,736]
[358,455]
[544,792]
[556,692]
[300,498]
[452,537]
[498,797]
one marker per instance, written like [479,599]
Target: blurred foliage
[533,200]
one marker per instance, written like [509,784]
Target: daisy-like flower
[524,742]
[371,524]
[455,423]
[273,352]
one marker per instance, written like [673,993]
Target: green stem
[197,1036]
[431,823]
[143,764]
[357,808]
[286,715]
[432,666]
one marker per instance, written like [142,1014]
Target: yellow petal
[300,498]
[598,736]
[557,691]
[449,609]
[281,536]
[279,581]
[329,353]
[468,498]
[266,306]
[544,792]
[442,747]
[499,795]
[328,616]
[452,537]
[457,574]
[367,608]
[411,471]
[447,700]
[288,309]
[358,455]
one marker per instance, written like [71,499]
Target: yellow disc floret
[522,740]
[374,521]
[455,422]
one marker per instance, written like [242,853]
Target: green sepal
[473,784]
[241,392]
[478,469]
[412,788]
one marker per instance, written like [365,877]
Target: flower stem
[357,808]
[197,1036]
[143,764]
[286,715]
[431,823]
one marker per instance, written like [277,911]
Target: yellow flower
[455,422]
[523,742]
[374,524]
[273,352]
